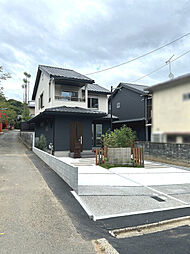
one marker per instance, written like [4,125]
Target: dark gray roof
[172,82]
[95,88]
[60,75]
[64,73]
[134,86]
[130,120]
[75,110]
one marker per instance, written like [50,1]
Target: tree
[4,75]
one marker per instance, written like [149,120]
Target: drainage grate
[159,198]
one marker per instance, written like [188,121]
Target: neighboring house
[31,106]
[171,110]
[132,105]
[69,109]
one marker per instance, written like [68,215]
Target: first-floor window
[98,134]
[92,103]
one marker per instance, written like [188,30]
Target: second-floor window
[92,103]
[41,101]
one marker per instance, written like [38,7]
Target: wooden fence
[138,156]
[101,154]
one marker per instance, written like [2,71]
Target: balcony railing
[67,98]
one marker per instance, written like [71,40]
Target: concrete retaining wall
[166,152]
[67,172]
[119,155]
[27,138]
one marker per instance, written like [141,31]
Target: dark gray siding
[45,128]
[131,105]
[62,134]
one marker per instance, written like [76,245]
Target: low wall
[67,172]
[119,155]
[27,138]
[166,152]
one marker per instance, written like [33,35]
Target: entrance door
[76,134]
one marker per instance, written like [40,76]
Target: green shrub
[122,137]
[41,143]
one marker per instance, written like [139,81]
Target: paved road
[40,215]
[32,220]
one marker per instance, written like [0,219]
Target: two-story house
[171,110]
[132,105]
[69,109]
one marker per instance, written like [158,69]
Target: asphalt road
[32,220]
[40,215]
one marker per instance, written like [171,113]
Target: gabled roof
[136,88]
[95,88]
[60,74]
[169,83]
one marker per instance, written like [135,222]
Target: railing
[67,98]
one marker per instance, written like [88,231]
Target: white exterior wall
[170,113]
[102,102]
[43,87]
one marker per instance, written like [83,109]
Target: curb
[153,227]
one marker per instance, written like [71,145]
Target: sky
[90,35]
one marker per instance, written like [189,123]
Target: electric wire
[159,68]
[141,56]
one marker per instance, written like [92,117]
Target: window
[69,96]
[171,138]
[49,90]
[186,96]
[186,139]
[92,103]
[41,102]
[118,105]
[98,134]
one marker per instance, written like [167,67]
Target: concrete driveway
[124,191]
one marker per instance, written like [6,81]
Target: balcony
[69,98]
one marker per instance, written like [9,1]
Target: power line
[136,58]
[162,66]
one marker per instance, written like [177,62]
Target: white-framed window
[118,105]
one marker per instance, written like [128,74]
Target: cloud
[91,35]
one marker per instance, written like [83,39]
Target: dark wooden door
[76,134]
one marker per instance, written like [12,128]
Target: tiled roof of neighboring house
[134,86]
[31,104]
[64,73]
[95,88]
[172,82]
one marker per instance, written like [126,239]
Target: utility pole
[171,75]
[111,106]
